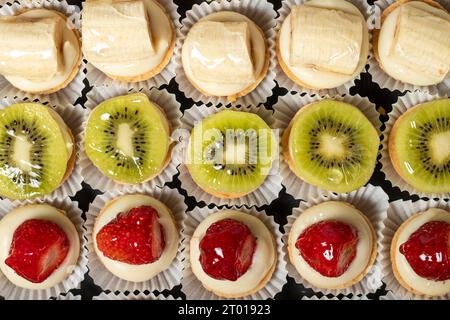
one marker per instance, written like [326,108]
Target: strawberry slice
[226,250]
[134,237]
[38,248]
[428,251]
[329,247]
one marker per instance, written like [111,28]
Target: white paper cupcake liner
[373,202]
[167,101]
[11,292]
[194,289]
[403,104]
[74,117]
[72,91]
[132,296]
[98,78]
[284,81]
[166,279]
[265,194]
[262,13]
[68,296]
[399,211]
[285,110]
[386,81]
[315,298]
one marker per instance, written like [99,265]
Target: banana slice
[31,48]
[326,39]
[220,52]
[116,32]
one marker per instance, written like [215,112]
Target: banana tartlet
[233,254]
[135,237]
[413,43]
[39,246]
[128,40]
[323,44]
[332,245]
[420,253]
[39,51]
[225,54]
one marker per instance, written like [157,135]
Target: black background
[279,208]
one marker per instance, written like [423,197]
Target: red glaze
[134,237]
[226,250]
[329,247]
[428,251]
[38,248]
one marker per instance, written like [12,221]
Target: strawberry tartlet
[39,246]
[135,237]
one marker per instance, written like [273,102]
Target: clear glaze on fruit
[226,250]
[133,237]
[38,248]
[428,251]
[329,247]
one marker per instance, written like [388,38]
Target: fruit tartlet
[128,138]
[420,253]
[39,246]
[225,54]
[37,150]
[323,44]
[40,52]
[419,146]
[232,253]
[230,153]
[128,40]
[413,43]
[332,245]
[332,145]
[135,237]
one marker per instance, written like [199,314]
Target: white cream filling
[318,78]
[263,258]
[162,34]
[258,54]
[143,272]
[70,49]
[386,37]
[425,286]
[14,219]
[343,212]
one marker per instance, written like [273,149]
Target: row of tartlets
[321,44]
[147,241]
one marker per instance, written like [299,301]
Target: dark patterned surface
[280,208]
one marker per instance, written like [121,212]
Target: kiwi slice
[230,153]
[33,151]
[332,145]
[127,138]
[419,146]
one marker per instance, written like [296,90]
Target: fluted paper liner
[386,81]
[399,211]
[265,194]
[315,298]
[132,296]
[72,91]
[73,117]
[285,110]
[166,279]
[284,81]
[11,291]
[262,14]
[167,101]
[373,203]
[98,78]
[194,289]
[403,104]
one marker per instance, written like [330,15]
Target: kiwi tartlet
[37,151]
[419,146]
[332,145]
[230,153]
[128,138]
